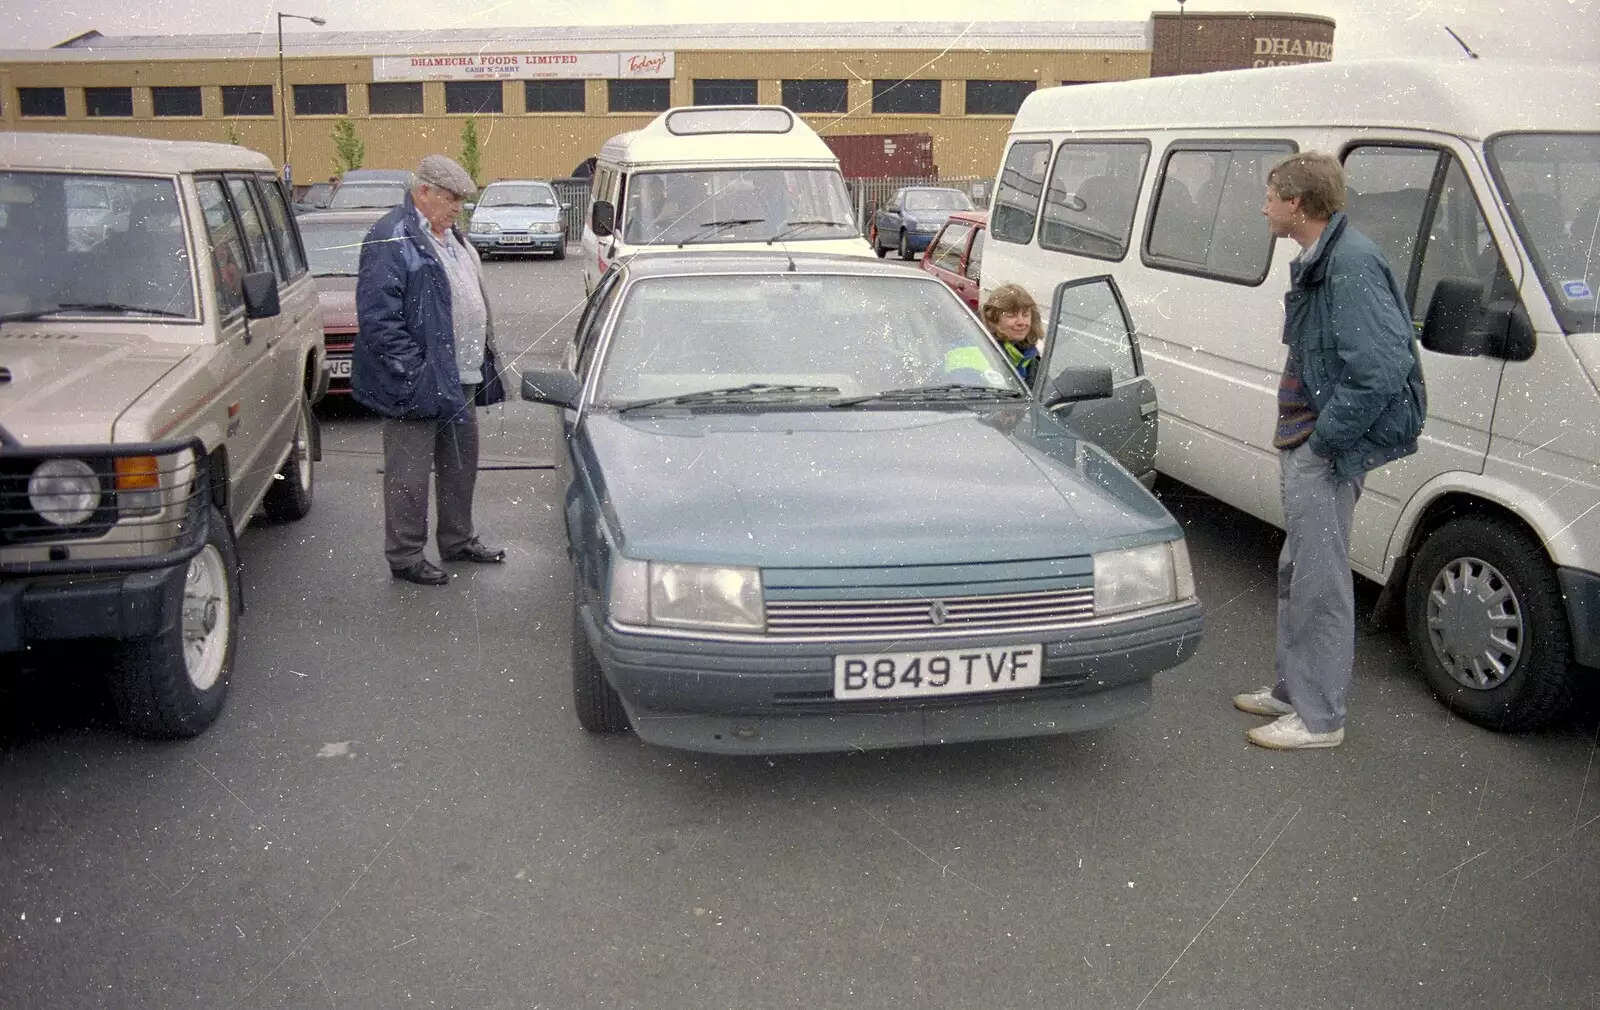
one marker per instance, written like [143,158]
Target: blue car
[812,508]
[911,217]
[518,216]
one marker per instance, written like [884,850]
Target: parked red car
[333,249]
[956,254]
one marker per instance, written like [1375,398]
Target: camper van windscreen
[695,122]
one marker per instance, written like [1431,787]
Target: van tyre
[593,698]
[905,247]
[1487,625]
[290,495]
[172,684]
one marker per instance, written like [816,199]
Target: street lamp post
[283,97]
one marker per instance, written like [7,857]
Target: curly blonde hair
[1012,298]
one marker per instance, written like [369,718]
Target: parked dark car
[518,216]
[908,221]
[315,197]
[813,508]
[955,255]
[333,251]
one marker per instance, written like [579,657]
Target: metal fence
[574,195]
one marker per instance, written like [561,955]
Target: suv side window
[255,233]
[227,251]
[1207,214]
[1016,202]
[285,237]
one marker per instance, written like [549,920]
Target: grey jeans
[411,449]
[1316,596]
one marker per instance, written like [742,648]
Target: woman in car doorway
[1013,317]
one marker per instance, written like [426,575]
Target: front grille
[950,614]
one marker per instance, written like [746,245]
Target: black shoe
[423,573]
[474,551]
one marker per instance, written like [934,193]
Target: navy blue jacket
[404,364]
[1346,323]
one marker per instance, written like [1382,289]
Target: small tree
[471,154]
[348,150]
[230,132]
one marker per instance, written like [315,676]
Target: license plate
[339,368]
[931,674]
[516,240]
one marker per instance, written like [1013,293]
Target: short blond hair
[1315,178]
[1012,298]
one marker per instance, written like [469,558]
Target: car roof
[517,182]
[103,153]
[932,189]
[775,261]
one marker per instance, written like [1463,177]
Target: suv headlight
[483,227]
[706,597]
[64,492]
[1146,576]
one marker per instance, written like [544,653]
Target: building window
[320,100]
[42,101]
[996,98]
[817,96]
[553,96]
[724,91]
[638,96]
[176,101]
[903,97]
[474,98]
[394,99]
[1068,84]
[108,101]
[247,99]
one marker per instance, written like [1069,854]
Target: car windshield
[1552,182]
[353,196]
[93,240]
[736,205]
[937,199]
[518,195]
[333,248]
[857,335]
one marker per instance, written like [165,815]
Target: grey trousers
[411,449]
[1316,598]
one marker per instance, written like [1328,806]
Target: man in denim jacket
[1351,399]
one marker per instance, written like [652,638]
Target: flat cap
[437,170]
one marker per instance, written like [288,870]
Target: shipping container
[884,155]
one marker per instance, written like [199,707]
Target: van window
[736,205]
[1207,218]
[1552,183]
[1459,244]
[1089,205]
[1386,194]
[1016,201]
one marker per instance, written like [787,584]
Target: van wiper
[710,228]
[731,394]
[950,392]
[790,227]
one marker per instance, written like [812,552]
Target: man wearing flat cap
[424,359]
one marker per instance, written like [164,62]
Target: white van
[1481,182]
[718,177]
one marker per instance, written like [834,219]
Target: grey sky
[1564,30]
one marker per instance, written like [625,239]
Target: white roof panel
[102,153]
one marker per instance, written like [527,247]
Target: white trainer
[1289,733]
[1261,702]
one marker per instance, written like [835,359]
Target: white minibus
[1481,182]
[717,177]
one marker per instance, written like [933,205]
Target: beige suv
[160,350]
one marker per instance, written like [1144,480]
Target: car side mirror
[261,295]
[602,218]
[468,207]
[1075,384]
[558,387]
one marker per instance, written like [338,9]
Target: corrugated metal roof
[887,35]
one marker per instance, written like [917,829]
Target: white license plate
[516,240]
[931,674]
[339,368]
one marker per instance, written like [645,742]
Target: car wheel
[1487,625]
[289,497]
[593,698]
[905,247]
[872,236]
[172,684]
[559,253]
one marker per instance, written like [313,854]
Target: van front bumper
[70,607]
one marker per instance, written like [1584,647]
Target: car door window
[1088,328]
[1459,245]
[255,233]
[974,256]
[946,251]
[227,250]
[285,238]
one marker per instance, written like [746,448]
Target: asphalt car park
[398,807]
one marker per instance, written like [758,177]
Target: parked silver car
[518,216]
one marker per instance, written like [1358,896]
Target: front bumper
[516,242]
[763,697]
[72,607]
[918,241]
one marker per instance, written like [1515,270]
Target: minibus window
[1016,201]
[1386,194]
[1093,192]
[1551,183]
[1207,217]
[1459,244]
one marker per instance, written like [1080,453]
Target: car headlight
[707,597]
[64,492]
[548,228]
[1146,576]
[483,227]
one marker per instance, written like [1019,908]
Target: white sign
[521,66]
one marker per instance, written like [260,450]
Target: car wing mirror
[1091,382]
[602,218]
[558,387]
[261,295]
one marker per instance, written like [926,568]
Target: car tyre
[559,253]
[171,685]
[1487,624]
[594,700]
[905,247]
[290,496]
[872,236]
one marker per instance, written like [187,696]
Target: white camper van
[1481,182]
[716,177]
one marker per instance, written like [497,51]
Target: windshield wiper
[18,317]
[710,228]
[334,273]
[790,227]
[950,392]
[731,394]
